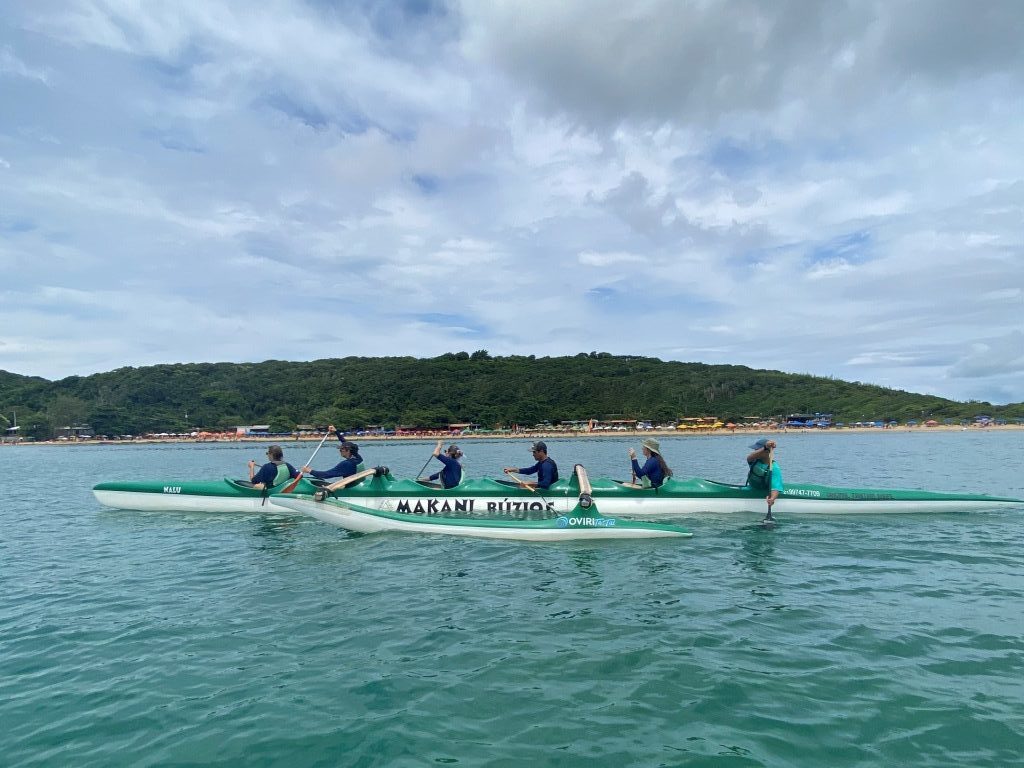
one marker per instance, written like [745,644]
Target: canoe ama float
[582,522]
[577,524]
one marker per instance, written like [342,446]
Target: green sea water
[159,639]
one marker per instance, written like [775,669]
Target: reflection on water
[586,561]
[757,550]
[277,533]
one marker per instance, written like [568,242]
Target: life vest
[760,476]
[283,473]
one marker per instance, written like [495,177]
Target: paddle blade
[291,486]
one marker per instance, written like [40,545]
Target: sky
[826,188]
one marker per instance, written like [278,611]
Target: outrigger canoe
[583,521]
[379,490]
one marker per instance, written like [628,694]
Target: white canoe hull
[624,508]
[350,518]
[157,502]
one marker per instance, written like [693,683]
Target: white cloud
[830,190]
[13,66]
[596,259]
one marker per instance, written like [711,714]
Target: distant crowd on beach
[535,432]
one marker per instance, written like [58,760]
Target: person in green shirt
[763,472]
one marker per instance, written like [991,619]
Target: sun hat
[651,444]
[539,446]
[760,444]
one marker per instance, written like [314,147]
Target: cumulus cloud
[835,190]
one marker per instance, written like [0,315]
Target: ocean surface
[159,639]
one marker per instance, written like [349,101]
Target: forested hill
[357,391]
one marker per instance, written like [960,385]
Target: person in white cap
[764,472]
[655,471]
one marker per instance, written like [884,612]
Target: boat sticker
[859,496]
[172,489]
[565,521]
[467,507]
[434,507]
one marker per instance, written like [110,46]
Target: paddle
[435,453]
[527,486]
[291,486]
[520,480]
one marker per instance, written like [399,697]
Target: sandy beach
[447,436]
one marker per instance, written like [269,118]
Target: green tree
[66,411]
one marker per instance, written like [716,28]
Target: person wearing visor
[274,472]
[351,462]
[451,475]
[655,471]
[764,473]
[545,468]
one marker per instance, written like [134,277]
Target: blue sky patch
[851,247]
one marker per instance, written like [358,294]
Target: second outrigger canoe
[582,522]
[379,490]
[578,523]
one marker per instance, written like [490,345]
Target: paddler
[763,471]
[545,468]
[351,462]
[655,471]
[274,472]
[451,475]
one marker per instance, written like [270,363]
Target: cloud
[1003,355]
[595,259]
[12,66]
[830,190]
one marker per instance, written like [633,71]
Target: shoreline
[529,435]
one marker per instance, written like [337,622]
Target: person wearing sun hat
[545,468]
[655,471]
[763,471]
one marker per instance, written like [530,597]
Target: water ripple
[153,639]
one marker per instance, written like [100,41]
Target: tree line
[354,392]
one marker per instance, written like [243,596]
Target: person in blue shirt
[351,462]
[655,471]
[763,472]
[274,472]
[545,468]
[451,475]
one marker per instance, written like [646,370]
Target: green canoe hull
[489,497]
